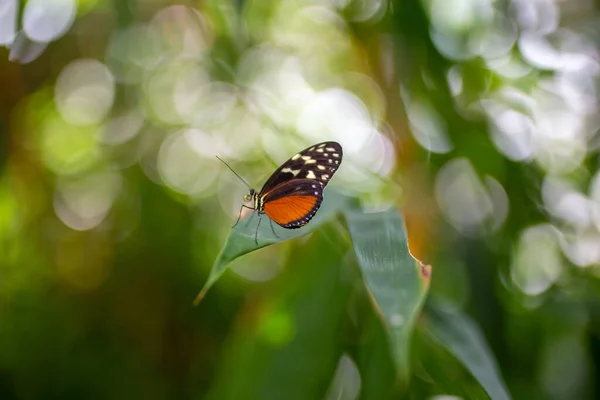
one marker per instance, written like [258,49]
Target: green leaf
[286,344]
[241,239]
[462,337]
[397,282]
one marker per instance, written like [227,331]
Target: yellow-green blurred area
[478,119]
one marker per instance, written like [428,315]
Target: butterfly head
[249,196]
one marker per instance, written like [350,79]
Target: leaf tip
[200,296]
[424,273]
[424,270]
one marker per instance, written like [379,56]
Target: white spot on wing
[322,145]
[310,161]
[291,171]
[321,167]
[306,158]
[330,149]
[316,193]
[330,160]
[325,177]
[297,156]
[319,150]
[311,175]
[336,155]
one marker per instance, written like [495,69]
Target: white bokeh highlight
[83,203]
[427,126]
[84,92]
[8,21]
[537,260]
[471,207]
[47,20]
[184,169]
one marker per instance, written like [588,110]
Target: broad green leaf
[241,239]
[397,282]
[462,337]
[286,344]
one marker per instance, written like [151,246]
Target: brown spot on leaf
[425,270]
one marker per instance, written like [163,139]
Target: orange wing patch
[290,208]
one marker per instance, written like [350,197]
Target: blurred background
[478,118]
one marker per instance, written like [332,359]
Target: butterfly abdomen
[258,203]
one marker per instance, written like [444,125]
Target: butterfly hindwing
[292,204]
[318,162]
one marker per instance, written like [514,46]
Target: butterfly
[293,194]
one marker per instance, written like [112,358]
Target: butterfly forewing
[292,204]
[318,162]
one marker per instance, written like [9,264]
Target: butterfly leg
[273,229]
[256,233]
[240,214]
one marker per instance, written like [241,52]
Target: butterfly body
[294,192]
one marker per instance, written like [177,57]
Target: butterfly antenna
[235,173]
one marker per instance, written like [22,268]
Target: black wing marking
[300,187]
[318,162]
[302,212]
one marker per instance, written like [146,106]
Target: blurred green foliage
[471,122]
